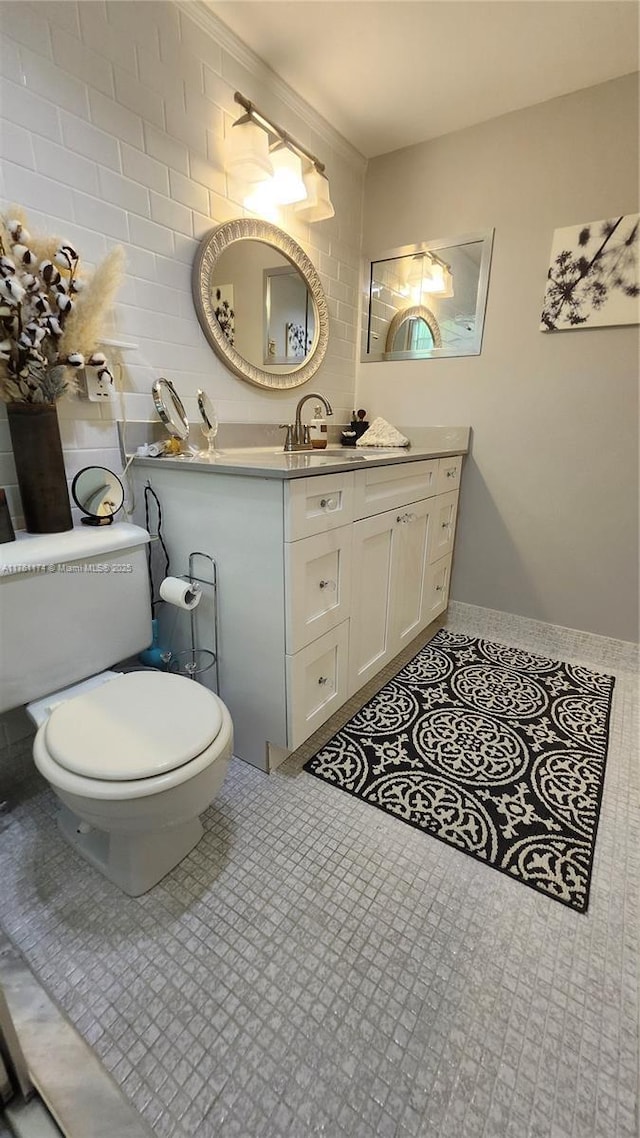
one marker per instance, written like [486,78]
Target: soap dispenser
[318,431]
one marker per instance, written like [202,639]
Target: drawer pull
[451,473]
[439,588]
[323,680]
[444,525]
[327,585]
[406,518]
[329,503]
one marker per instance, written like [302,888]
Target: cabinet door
[412,538]
[316,683]
[370,643]
[389,598]
[444,525]
[318,585]
[437,594]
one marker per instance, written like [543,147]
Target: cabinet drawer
[438,581]
[386,487]
[315,505]
[449,471]
[316,683]
[444,525]
[318,585]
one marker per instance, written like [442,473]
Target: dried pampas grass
[83,326]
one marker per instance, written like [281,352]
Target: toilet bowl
[134,761]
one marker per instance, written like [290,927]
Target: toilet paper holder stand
[193,661]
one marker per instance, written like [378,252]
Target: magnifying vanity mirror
[170,408]
[99,493]
[209,425]
[260,303]
[428,300]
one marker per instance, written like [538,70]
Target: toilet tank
[71,604]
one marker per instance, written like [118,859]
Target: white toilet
[134,757]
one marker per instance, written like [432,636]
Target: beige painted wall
[549,510]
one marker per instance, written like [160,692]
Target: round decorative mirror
[99,493]
[413,329]
[170,408]
[260,303]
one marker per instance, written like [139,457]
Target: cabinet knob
[327,585]
[451,473]
[444,525]
[329,503]
[323,680]
[439,588]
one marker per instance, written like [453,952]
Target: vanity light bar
[256,116]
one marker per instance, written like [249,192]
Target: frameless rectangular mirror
[289,316]
[427,301]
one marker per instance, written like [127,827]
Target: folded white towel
[382,434]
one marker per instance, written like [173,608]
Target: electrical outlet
[99,388]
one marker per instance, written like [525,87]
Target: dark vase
[37,450]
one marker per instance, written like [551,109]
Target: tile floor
[316,967]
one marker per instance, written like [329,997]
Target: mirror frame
[415,312]
[210,250]
[474,348]
[104,518]
[157,389]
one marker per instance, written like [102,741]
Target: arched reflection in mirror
[98,492]
[413,329]
[260,303]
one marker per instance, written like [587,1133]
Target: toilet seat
[138,726]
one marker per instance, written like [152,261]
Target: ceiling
[390,73]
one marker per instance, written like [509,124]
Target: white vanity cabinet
[322,580]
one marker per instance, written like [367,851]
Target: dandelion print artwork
[298,341]
[593,277]
[223,310]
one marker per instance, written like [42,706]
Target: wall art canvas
[298,341]
[593,278]
[224,311]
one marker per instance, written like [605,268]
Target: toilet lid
[136,726]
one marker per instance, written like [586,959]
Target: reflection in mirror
[289,316]
[413,330]
[99,493]
[260,303]
[263,306]
[170,408]
[209,425]
[450,277]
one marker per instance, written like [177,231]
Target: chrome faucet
[300,433]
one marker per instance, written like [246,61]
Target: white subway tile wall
[112,118]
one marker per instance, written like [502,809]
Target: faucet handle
[288,442]
[306,435]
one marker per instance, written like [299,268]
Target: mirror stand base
[97,521]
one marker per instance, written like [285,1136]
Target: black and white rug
[493,750]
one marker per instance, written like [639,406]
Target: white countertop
[271,462]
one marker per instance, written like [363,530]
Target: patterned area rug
[488,748]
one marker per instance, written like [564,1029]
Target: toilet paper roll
[183,594]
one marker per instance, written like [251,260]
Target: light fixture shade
[447,292]
[246,152]
[432,276]
[262,201]
[318,206]
[288,186]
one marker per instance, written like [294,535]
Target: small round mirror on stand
[170,408]
[209,425]
[99,493]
